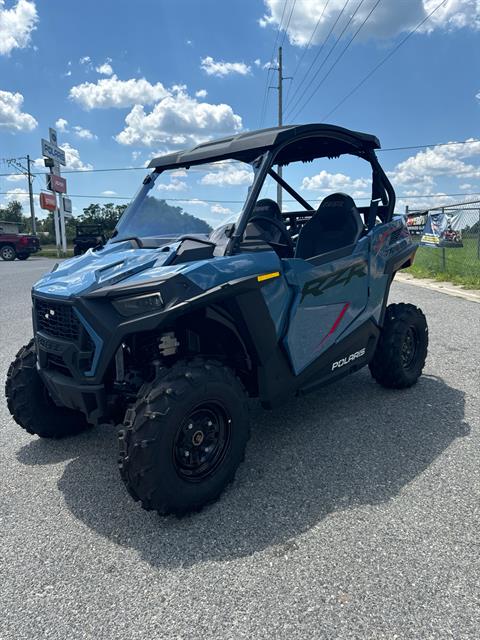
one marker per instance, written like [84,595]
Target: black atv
[88,236]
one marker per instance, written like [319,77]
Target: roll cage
[265,148]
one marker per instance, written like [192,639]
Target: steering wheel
[279,226]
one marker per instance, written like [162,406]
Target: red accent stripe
[335,324]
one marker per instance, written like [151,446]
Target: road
[355,515]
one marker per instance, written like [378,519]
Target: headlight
[138,304]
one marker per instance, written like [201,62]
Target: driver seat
[259,229]
[335,225]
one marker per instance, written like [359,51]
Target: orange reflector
[267,276]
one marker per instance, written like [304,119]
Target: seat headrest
[267,208]
[333,206]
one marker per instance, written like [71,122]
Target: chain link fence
[458,262]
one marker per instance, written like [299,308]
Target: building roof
[314,141]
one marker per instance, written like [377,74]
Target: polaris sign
[343,361]
[52,151]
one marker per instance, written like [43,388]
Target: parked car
[88,236]
[17,245]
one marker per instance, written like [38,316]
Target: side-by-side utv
[169,336]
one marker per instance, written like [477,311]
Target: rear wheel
[7,252]
[30,403]
[185,437]
[402,347]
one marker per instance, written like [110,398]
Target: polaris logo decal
[343,361]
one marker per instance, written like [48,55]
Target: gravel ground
[355,515]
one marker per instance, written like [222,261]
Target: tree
[154,217]
[13,212]
[107,215]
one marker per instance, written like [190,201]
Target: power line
[288,23]
[318,55]
[201,200]
[113,169]
[340,56]
[306,48]
[265,96]
[382,62]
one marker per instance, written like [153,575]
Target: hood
[121,264]
[94,269]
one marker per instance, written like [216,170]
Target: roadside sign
[52,134]
[56,183]
[67,205]
[48,201]
[52,151]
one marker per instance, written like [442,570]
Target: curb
[447,288]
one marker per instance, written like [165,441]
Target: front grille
[57,319]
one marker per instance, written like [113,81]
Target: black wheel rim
[202,441]
[409,348]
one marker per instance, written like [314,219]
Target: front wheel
[30,404]
[402,347]
[183,440]
[7,253]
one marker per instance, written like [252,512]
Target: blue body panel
[312,306]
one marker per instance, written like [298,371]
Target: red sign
[56,183]
[48,201]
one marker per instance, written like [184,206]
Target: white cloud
[219,68]
[105,69]
[442,160]
[16,25]
[465,187]
[228,175]
[85,134]
[387,20]
[109,193]
[334,182]
[136,155]
[112,92]
[217,208]
[202,93]
[16,177]
[178,120]
[195,201]
[61,124]
[174,185]
[11,116]
[17,194]
[179,173]
[73,160]
[85,60]
[257,62]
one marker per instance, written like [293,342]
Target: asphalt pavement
[355,515]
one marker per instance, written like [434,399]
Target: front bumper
[90,399]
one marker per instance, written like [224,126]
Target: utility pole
[279,88]
[30,193]
[16,162]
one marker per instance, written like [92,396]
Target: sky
[125,81]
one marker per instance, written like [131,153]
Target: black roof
[313,141]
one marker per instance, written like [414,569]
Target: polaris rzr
[170,333]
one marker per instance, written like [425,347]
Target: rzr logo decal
[343,361]
[320,285]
